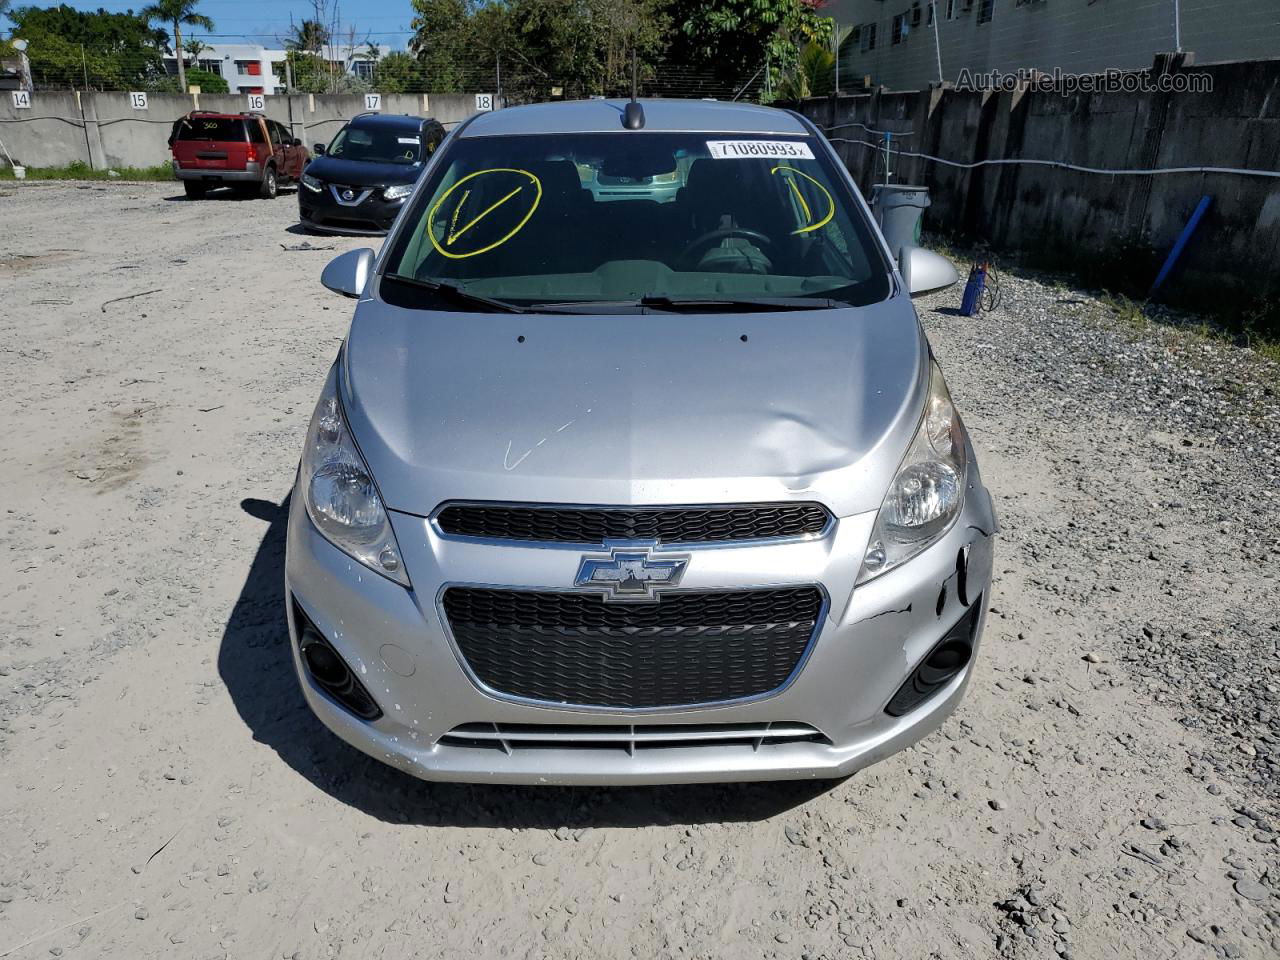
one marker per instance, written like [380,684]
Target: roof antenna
[633,113]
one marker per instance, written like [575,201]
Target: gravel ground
[1109,787]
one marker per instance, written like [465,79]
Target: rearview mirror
[638,166]
[348,273]
[924,271]
[318,149]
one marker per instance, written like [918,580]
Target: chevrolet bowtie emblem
[630,573]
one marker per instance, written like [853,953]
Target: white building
[357,59]
[247,67]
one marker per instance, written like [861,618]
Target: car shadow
[305,231]
[227,193]
[255,663]
[216,194]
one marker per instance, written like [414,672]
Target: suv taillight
[253,153]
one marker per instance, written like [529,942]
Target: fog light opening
[325,665]
[944,662]
[940,666]
[330,672]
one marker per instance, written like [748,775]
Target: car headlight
[398,192]
[928,491]
[312,183]
[340,494]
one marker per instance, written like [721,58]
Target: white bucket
[19,173]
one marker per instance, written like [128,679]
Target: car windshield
[571,220]
[377,145]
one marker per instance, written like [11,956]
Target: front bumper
[870,641]
[367,214]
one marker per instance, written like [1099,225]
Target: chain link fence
[77,67]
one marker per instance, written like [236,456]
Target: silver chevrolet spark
[648,488]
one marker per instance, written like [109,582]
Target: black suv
[361,181]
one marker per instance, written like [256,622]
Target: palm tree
[310,36]
[178,12]
[193,48]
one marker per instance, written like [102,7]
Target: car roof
[605,116]
[401,121]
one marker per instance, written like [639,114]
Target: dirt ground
[1108,788]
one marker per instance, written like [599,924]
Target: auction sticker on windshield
[766,149]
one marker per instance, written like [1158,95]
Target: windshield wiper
[456,293]
[690,305]
[745,305]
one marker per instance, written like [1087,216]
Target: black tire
[269,186]
[194,189]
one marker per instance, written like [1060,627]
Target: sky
[267,21]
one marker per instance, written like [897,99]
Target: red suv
[241,150]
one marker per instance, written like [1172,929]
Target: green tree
[309,71]
[193,47]
[310,36]
[69,47]
[583,46]
[178,13]
[741,37]
[442,29]
[812,76]
[399,73]
[312,73]
[206,81]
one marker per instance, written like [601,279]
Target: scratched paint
[508,464]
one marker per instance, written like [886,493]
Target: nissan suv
[636,489]
[245,151]
[360,182]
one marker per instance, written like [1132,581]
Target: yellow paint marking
[454,233]
[453,221]
[484,213]
[831,203]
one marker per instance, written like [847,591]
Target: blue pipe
[1181,245]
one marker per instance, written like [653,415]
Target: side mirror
[348,273]
[318,149]
[924,271]
[297,142]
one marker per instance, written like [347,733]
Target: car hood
[634,409]
[359,173]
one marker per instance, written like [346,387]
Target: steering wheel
[707,239]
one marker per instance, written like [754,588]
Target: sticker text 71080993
[759,150]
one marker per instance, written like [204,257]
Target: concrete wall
[104,130]
[53,121]
[1076,220]
[1077,36]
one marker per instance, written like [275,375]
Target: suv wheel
[268,189]
[195,189]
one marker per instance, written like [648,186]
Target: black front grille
[686,649]
[592,525]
